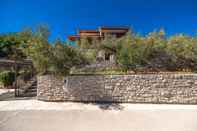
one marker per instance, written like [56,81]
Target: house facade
[100,34]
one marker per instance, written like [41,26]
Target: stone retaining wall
[149,88]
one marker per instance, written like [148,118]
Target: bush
[155,52]
[7,78]
[183,50]
[90,55]
[131,57]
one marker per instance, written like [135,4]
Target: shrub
[183,50]
[90,55]
[132,53]
[7,78]
[155,52]
[56,58]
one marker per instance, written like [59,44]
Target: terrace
[100,33]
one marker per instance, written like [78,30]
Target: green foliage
[7,78]
[157,53]
[84,43]
[98,72]
[154,52]
[87,43]
[183,50]
[130,57]
[63,58]
[109,44]
[56,58]
[10,46]
[40,55]
[90,55]
[129,50]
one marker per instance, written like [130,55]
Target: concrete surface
[6,93]
[33,115]
[3,91]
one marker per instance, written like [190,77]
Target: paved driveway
[32,115]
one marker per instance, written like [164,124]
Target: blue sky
[64,17]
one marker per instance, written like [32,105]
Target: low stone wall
[149,88]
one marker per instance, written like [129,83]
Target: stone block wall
[148,88]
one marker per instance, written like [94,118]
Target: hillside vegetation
[154,52]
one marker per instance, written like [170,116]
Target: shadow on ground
[109,106]
[10,97]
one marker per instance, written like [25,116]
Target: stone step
[32,90]
[32,87]
[29,94]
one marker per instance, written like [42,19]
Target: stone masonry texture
[142,88]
